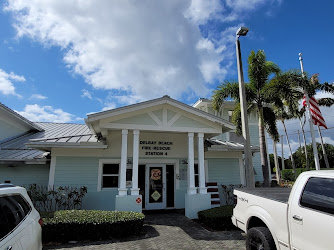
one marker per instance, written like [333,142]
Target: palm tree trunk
[263,149]
[323,148]
[282,158]
[278,171]
[292,160]
[305,148]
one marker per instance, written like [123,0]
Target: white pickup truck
[300,218]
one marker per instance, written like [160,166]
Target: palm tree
[282,114]
[291,85]
[259,71]
[285,96]
[300,114]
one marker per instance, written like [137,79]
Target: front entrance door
[155,191]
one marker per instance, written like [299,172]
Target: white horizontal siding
[224,171]
[8,130]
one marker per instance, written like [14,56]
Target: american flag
[315,112]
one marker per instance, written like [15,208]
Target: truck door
[311,214]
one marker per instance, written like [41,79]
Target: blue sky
[60,60]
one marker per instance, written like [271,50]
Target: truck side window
[318,194]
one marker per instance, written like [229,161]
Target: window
[110,175]
[13,210]
[318,194]
[230,114]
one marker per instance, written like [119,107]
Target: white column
[135,189]
[201,170]
[122,183]
[191,174]
[52,173]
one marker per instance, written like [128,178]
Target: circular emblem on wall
[155,174]
[138,200]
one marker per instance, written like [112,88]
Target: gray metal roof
[17,150]
[219,145]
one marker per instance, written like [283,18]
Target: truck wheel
[259,238]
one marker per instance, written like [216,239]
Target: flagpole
[309,117]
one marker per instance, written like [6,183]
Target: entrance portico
[161,130]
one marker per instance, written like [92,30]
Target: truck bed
[277,194]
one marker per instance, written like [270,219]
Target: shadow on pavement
[176,218]
[147,232]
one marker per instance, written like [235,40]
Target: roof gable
[10,116]
[162,114]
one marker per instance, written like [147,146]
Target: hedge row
[218,218]
[78,225]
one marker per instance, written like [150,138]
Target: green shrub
[80,225]
[287,174]
[218,218]
[57,198]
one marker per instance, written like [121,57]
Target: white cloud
[86,93]
[201,11]
[145,50]
[109,105]
[38,97]
[38,113]
[326,139]
[245,5]
[6,82]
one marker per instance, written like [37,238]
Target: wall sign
[156,147]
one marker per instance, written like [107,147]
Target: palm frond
[301,112]
[326,102]
[224,91]
[236,119]
[326,87]
[269,118]
[272,68]
[259,69]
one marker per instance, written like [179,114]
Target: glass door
[155,191]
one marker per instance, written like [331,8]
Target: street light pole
[249,173]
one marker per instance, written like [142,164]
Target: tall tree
[259,71]
[300,159]
[302,120]
[291,85]
[285,99]
[283,115]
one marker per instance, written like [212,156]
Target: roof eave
[48,146]
[28,162]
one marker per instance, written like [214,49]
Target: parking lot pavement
[168,231]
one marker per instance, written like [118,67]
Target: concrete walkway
[168,231]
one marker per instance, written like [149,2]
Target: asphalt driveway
[168,231]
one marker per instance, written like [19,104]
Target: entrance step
[213,190]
